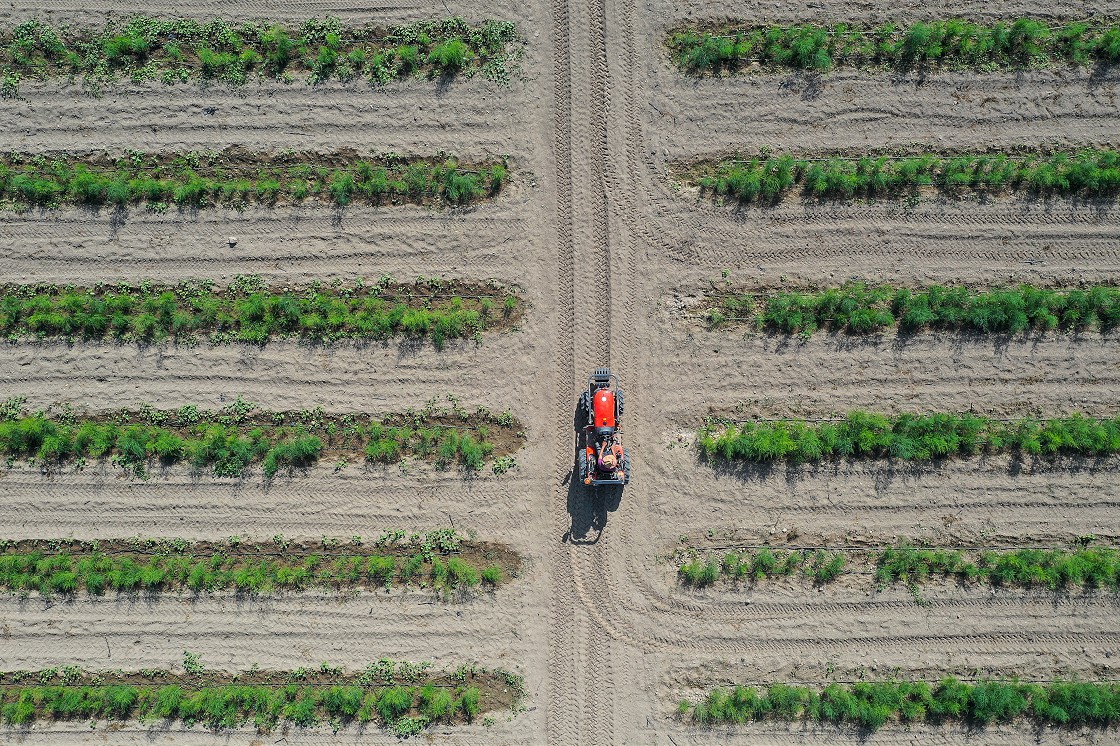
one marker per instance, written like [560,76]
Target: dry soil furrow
[857,111]
[834,253]
[282,633]
[890,649]
[742,374]
[891,240]
[295,244]
[80,13]
[278,376]
[778,734]
[714,232]
[98,503]
[892,633]
[472,118]
[878,485]
[942,268]
[1026,517]
[725,603]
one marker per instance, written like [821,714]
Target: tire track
[996,642]
[563,717]
[735,610]
[722,258]
[599,698]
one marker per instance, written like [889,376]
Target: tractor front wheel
[583,411]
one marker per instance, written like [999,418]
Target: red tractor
[601,458]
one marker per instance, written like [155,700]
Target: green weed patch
[821,566]
[858,308]
[230,440]
[953,44]
[235,178]
[403,697]
[908,437]
[1056,569]
[768,179]
[250,311]
[1093,567]
[440,559]
[142,49]
[872,704]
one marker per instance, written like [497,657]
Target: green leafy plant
[819,566]
[222,702]
[767,179]
[196,180]
[230,440]
[871,704]
[443,562]
[909,437]
[858,308]
[1093,567]
[249,311]
[905,562]
[183,50]
[948,44]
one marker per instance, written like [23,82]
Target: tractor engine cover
[604,409]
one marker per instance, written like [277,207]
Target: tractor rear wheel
[584,466]
[626,467]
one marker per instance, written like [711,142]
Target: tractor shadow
[588,508]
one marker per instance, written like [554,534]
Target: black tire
[583,411]
[583,465]
[618,405]
[626,468]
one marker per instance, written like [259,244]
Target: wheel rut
[563,715]
[581,670]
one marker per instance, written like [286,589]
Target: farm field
[290,369]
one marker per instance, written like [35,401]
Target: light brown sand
[611,256]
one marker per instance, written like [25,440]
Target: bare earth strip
[100,503]
[742,373]
[470,116]
[303,245]
[859,111]
[292,11]
[279,376]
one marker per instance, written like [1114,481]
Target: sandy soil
[611,256]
